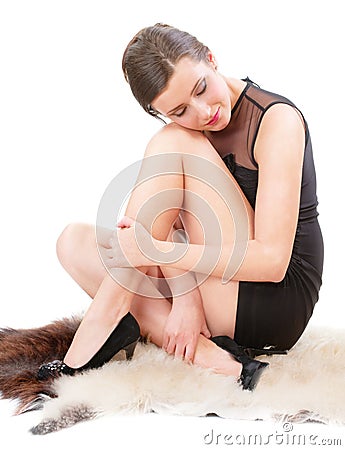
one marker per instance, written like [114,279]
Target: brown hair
[150,57]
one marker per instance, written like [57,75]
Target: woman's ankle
[210,356]
[86,344]
[229,367]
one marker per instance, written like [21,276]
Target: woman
[260,140]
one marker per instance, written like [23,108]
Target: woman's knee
[70,243]
[177,140]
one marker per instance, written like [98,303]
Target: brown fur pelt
[22,351]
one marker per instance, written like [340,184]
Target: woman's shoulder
[264,98]
[275,109]
[176,132]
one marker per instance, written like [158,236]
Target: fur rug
[308,384]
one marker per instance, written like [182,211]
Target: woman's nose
[204,110]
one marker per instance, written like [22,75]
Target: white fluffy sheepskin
[307,384]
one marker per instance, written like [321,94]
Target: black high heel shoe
[251,370]
[124,337]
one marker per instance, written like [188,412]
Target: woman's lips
[214,118]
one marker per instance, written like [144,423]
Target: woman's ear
[212,60]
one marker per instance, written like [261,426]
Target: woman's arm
[279,153]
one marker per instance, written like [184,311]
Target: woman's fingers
[183,348]
[191,349]
[205,331]
[125,222]
[103,236]
[180,349]
[170,348]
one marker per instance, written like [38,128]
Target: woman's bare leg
[176,184]
[101,318]
[77,252]
[219,300]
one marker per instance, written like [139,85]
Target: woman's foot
[54,369]
[211,356]
[124,337]
[251,369]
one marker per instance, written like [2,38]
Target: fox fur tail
[22,351]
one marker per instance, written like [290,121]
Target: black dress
[273,315]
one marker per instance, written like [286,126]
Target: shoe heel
[129,350]
[251,374]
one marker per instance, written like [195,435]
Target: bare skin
[271,230]
[88,271]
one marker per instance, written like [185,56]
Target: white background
[69,124]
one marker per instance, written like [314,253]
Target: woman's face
[196,97]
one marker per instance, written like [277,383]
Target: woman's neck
[236,87]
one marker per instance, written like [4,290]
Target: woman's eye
[180,113]
[202,88]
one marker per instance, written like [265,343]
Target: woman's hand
[129,246]
[185,323]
